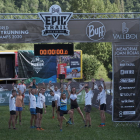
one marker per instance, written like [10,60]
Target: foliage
[16,46]
[90,66]
[101,73]
[128,5]
[101,50]
[1,48]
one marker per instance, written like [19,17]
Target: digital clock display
[53,49]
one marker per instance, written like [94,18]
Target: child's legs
[10,119]
[13,120]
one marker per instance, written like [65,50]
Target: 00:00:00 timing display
[54,52]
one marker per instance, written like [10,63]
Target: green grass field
[72,132]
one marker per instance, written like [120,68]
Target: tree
[102,51]
[90,66]
[29,6]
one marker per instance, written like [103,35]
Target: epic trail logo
[55,22]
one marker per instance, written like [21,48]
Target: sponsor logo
[123,72]
[127,80]
[127,51]
[95,30]
[2,100]
[127,106]
[127,94]
[55,22]
[37,64]
[121,88]
[124,63]
[127,101]
[129,112]
[120,114]
[125,34]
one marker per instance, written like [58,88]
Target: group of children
[59,101]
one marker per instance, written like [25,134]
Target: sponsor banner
[61,69]
[41,68]
[126,59]
[73,65]
[59,27]
[6,90]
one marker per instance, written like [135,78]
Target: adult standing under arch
[22,87]
[102,106]
[56,91]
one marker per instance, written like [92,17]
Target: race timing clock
[53,49]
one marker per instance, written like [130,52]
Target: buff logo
[55,22]
[95,30]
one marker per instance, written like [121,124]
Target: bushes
[101,73]
[90,66]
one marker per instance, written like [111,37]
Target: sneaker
[85,126]
[60,130]
[31,126]
[69,122]
[53,117]
[101,125]
[37,129]
[14,128]
[89,126]
[41,129]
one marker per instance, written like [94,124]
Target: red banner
[61,69]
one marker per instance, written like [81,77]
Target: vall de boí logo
[55,22]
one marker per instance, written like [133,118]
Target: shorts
[39,110]
[103,107]
[53,103]
[23,95]
[88,108]
[19,108]
[33,111]
[12,112]
[58,108]
[63,112]
[74,106]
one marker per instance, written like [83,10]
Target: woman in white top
[73,97]
[12,108]
[39,108]
[102,107]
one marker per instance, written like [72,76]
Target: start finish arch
[122,29]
